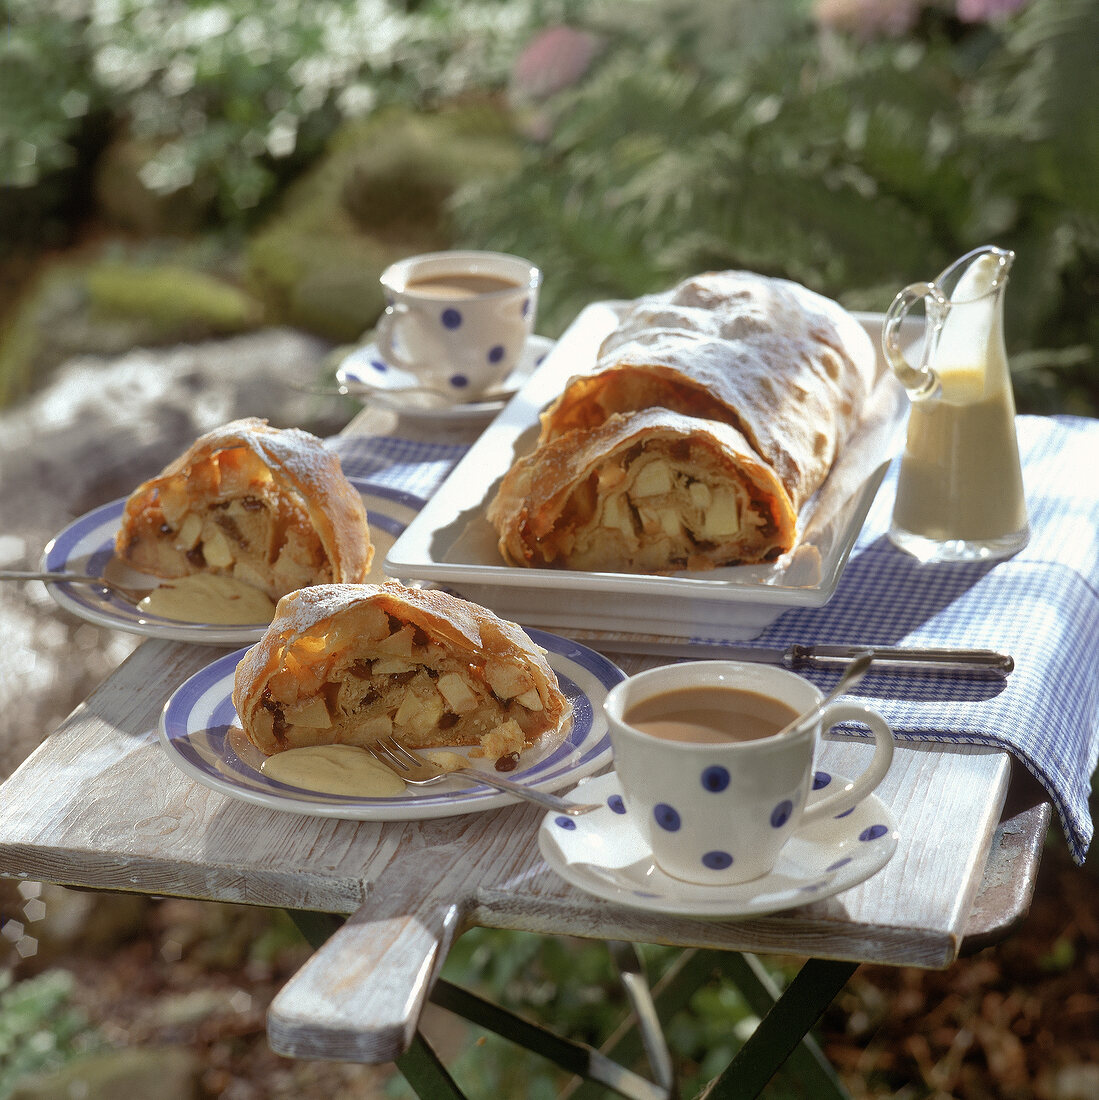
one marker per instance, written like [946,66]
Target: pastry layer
[267,506]
[790,369]
[647,492]
[349,664]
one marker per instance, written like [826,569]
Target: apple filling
[656,510]
[374,676]
[227,516]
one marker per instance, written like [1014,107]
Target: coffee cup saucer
[602,853]
[364,373]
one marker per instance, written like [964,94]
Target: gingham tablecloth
[1041,606]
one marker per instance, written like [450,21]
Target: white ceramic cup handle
[854,792]
[383,334]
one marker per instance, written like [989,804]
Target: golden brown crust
[788,368]
[764,379]
[647,492]
[357,662]
[269,506]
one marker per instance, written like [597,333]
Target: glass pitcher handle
[920,382]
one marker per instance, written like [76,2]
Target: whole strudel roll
[268,506]
[789,369]
[348,664]
[646,492]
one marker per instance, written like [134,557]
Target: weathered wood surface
[359,996]
[99,805]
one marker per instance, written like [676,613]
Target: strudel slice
[348,664]
[647,492]
[270,507]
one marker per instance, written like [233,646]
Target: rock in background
[125,350]
[100,427]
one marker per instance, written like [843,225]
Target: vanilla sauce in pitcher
[960,488]
[959,452]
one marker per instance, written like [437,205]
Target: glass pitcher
[960,488]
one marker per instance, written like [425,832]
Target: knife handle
[980,661]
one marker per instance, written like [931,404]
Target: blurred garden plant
[852,145]
[852,157]
[227,97]
[40,1029]
[161,123]
[570,986]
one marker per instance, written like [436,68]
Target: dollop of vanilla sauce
[333,769]
[209,598]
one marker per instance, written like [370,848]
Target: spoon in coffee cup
[852,674]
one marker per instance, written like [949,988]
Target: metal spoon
[441,397]
[854,672]
[130,595]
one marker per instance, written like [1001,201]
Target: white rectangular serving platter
[452,543]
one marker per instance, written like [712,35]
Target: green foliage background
[708,134]
[705,140]
[39,1029]
[231,97]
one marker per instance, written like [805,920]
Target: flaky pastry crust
[268,506]
[349,664]
[789,369]
[647,492]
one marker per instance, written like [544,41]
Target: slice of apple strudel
[270,507]
[646,492]
[349,664]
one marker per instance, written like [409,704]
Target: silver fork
[417,770]
[130,595]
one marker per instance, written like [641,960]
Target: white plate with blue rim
[201,734]
[364,373]
[604,854]
[86,546]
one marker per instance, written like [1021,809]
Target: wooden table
[99,805]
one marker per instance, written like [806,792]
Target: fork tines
[390,751]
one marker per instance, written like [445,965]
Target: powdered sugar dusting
[299,612]
[449,619]
[291,448]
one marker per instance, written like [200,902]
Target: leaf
[1057,92]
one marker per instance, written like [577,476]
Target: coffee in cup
[711,776]
[714,715]
[460,284]
[458,322]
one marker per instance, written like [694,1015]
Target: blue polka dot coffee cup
[719,813]
[458,321]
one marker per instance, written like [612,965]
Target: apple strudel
[349,664]
[789,368]
[646,492]
[270,507]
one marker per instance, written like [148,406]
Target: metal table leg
[806,1064]
[780,1031]
[575,1057]
[781,1036]
[428,1077]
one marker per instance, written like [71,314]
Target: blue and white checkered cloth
[417,469]
[1041,606]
